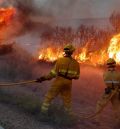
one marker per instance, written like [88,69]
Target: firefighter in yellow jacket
[112,80]
[65,69]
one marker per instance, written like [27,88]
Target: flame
[50,54]
[6,15]
[114,48]
[82,56]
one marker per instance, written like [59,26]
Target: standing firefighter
[112,90]
[65,69]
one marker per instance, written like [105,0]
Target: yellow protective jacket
[66,67]
[111,78]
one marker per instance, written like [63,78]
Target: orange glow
[83,55]
[50,54]
[6,14]
[114,48]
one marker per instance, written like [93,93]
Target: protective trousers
[116,106]
[62,87]
[115,100]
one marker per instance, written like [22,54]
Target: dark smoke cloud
[28,7]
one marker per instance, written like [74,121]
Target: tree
[115,21]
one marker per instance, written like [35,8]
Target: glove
[107,90]
[41,79]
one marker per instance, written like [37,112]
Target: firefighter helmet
[111,62]
[69,48]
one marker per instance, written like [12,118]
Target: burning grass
[93,45]
[99,57]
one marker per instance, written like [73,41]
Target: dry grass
[29,104]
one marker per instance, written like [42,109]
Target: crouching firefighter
[112,91]
[65,70]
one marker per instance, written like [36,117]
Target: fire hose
[98,112]
[18,83]
[81,116]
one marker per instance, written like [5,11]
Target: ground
[86,91]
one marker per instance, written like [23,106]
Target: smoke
[28,7]
[79,8]
[66,8]
[48,12]
[21,21]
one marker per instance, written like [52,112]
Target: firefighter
[112,81]
[65,70]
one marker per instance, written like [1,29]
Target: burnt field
[26,99]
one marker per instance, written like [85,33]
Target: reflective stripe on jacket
[112,78]
[67,67]
[114,82]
